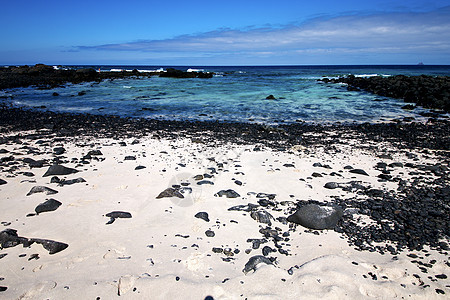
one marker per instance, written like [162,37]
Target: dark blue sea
[233,94]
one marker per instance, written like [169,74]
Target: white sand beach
[163,252]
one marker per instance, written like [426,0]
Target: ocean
[234,94]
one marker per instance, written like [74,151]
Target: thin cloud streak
[383,33]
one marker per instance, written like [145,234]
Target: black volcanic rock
[59,170]
[228,193]
[117,214]
[48,205]
[202,215]
[51,246]
[170,192]
[9,238]
[359,171]
[254,262]
[318,217]
[41,189]
[426,91]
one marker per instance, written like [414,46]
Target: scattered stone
[2,182]
[289,165]
[170,192]
[198,177]
[267,250]
[228,193]
[94,153]
[359,171]
[255,261]
[271,97]
[130,157]
[9,238]
[140,167]
[262,216]
[34,256]
[51,246]
[331,185]
[202,215]
[265,195]
[34,163]
[117,214]
[48,205]
[317,217]
[71,181]
[202,182]
[59,150]
[209,233]
[59,170]
[249,207]
[41,189]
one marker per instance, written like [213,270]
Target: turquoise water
[233,94]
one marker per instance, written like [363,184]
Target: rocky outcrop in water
[44,76]
[425,91]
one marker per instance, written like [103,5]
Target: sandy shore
[158,246]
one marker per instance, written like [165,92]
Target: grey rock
[228,193]
[170,192]
[265,195]
[48,205]
[41,189]
[202,182]
[9,238]
[202,215]
[249,207]
[59,170]
[254,262]
[2,182]
[71,181]
[359,171]
[34,163]
[94,153]
[59,150]
[117,214]
[209,233]
[267,250]
[130,157]
[262,216]
[331,185]
[51,246]
[317,217]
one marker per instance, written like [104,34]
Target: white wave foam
[195,70]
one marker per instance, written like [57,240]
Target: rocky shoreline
[434,134]
[425,91]
[44,76]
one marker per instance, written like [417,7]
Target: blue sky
[224,32]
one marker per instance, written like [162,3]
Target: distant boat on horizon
[420,64]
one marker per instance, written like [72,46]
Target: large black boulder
[59,170]
[317,217]
[48,205]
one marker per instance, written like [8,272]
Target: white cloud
[383,33]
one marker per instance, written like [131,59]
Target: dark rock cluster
[45,76]
[425,91]
[431,135]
